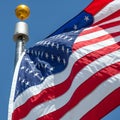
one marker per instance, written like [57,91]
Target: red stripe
[53,92]
[98,28]
[83,90]
[104,107]
[96,6]
[112,16]
[95,40]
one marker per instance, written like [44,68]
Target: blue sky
[46,16]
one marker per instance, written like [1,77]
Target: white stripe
[103,23]
[59,78]
[97,34]
[107,10]
[93,98]
[81,77]
[109,21]
[12,93]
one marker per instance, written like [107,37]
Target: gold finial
[22,12]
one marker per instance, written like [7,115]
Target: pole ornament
[22,12]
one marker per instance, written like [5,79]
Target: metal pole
[20,47]
[21,30]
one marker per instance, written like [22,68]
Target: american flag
[74,74]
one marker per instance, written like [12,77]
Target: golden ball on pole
[22,12]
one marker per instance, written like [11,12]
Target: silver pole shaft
[20,47]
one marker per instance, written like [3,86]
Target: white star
[45,66]
[42,78]
[38,43]
[36,53]
[27,83]
[42,53]
[31,62]
[65,37]
[58,36]
[77,31]
[27,70]
[57,46]
[64,61]
[63,48]
[36,74]
[67,50]
[44,43]
[70,39]
[46,55]
[27,59]
[51,69]
[30,71]
[22,68]
[32,51]
[75,27]
[48,43]
[62,36]
[58,58]
[23,81]
[52,45]
[86,18]
[52,57]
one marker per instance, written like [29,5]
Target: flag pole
[21,30]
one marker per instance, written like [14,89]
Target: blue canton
[45,58]
[82,20]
